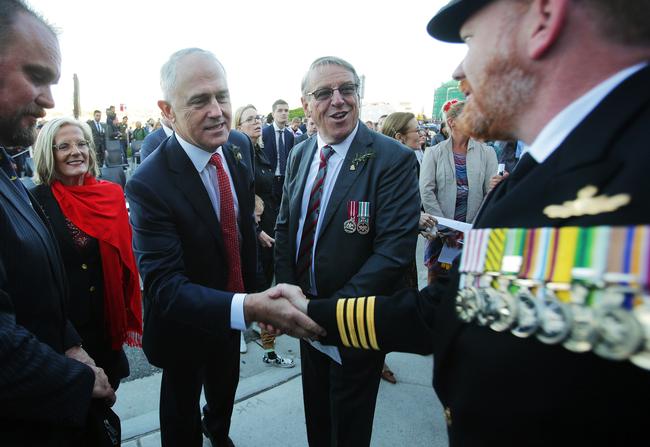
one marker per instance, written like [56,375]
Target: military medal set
[358,218]
[585,288]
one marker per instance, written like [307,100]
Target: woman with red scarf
[90,222]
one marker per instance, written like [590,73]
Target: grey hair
[168,71]
[44,150]
[324,61]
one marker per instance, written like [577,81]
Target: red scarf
[98,209]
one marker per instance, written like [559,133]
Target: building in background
[447,91]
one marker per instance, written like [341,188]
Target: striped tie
[303,262]
[495,248]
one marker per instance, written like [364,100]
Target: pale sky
[116,47]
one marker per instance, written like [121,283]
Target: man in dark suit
[194,237]
[530,74]
[45,392]
[99,135]
[348,190]
[278,141]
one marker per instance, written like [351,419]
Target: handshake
[282,309]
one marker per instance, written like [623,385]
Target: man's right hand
[284,308]
[102,388]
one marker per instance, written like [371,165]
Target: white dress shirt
[556,131]
[208,173]
[333,168]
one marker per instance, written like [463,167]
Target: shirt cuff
[237,320]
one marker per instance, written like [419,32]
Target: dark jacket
[86,303]
[502,390]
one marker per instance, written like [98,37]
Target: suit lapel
[347,177]
[189,182]
[32,214]
[235,167]
[301,180]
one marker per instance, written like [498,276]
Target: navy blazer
[508,391]
[41,391]
[268,138]
[181,255]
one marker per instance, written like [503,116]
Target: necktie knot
[215,160]
[326,152]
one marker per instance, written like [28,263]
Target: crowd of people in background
[309,227]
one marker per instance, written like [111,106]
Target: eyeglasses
[66,146]
[325,93]
[252,119]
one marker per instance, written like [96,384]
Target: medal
[466,302]
[466,299]
[587,272]
[642,315]
[363,227]
[505,305]
[555,316]
[620,334]
[527,319]
[350,225]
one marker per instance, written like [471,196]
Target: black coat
[500,390]
[42,393]
[86,303]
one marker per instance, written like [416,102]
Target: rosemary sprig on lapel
[236,152]
[361,158]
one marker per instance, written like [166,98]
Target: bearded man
[547,342]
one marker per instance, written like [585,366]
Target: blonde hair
[395,123]
[259,204]
[237,120]
[454,110]
[44,150]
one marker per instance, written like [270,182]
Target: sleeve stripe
[350,317]
[340,322]
[370,312]
[361,323]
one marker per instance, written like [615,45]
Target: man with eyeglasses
[348,223]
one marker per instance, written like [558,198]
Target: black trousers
[180,392]
[339,399]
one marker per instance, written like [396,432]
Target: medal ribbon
[484,237]
[352,210]
[364,210]
[495,249]
[546,240]
[563,255]
[514,248]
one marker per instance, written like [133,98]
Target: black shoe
[207,434]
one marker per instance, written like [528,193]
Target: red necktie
[228,222]
[303,263]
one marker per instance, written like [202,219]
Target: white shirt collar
[167,130]
[556,130]
[341,148]
[198,156]
[277,129]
